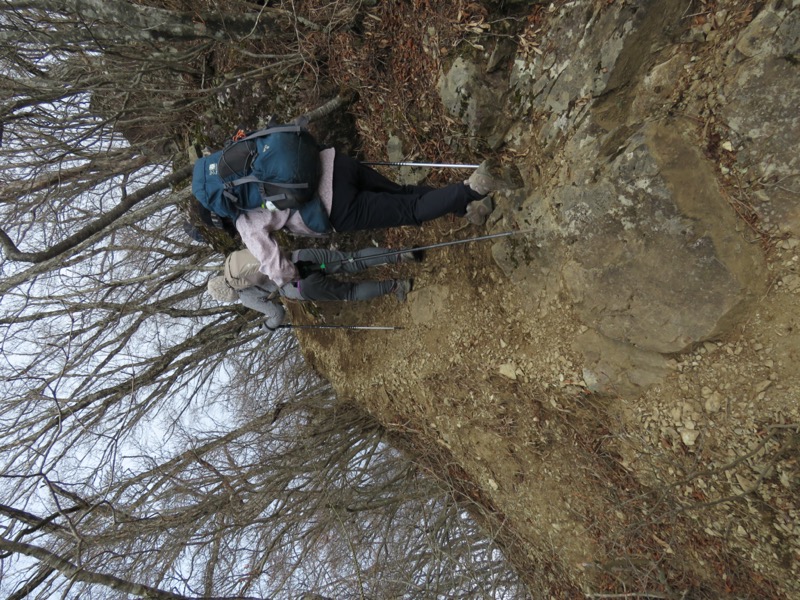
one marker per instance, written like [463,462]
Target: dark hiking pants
[365,199]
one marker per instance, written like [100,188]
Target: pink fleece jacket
[256,227]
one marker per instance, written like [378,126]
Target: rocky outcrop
[473,95]
[760,102]
[631,220]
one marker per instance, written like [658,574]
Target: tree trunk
[13,253]
[77,573]
[146,23]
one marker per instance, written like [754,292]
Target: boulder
[655,258]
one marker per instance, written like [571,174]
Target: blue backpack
[276,168]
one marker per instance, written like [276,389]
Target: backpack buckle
[239,135]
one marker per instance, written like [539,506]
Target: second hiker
[242,280]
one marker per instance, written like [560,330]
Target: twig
[330,106]
[633,595]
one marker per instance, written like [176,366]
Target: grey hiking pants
[320,286]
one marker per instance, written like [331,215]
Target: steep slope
[616,391]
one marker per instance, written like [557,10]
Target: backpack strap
[268,202]
[269,130]
[254,179]
[271,203]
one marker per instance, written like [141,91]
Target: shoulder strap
[269,130]
[254,179]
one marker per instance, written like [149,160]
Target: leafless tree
[152,442]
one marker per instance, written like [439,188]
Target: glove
[306,268]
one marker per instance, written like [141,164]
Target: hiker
[281,178]
[356,197]
[241,279]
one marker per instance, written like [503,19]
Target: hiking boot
[416,256]
[485,179]
[401,288]
[478,210]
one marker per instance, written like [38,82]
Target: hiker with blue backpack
[242,279]
[279,178]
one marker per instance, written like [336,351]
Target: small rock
[688,436]
[591,380]
[669,433]
[713,402]
[509,370]
[792,282]
[746,484]
[763,386]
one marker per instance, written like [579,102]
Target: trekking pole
[480,238]
[416,164]
[360,327]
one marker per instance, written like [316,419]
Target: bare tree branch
[99,224]
[78,573]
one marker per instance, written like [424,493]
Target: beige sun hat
[221,291]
